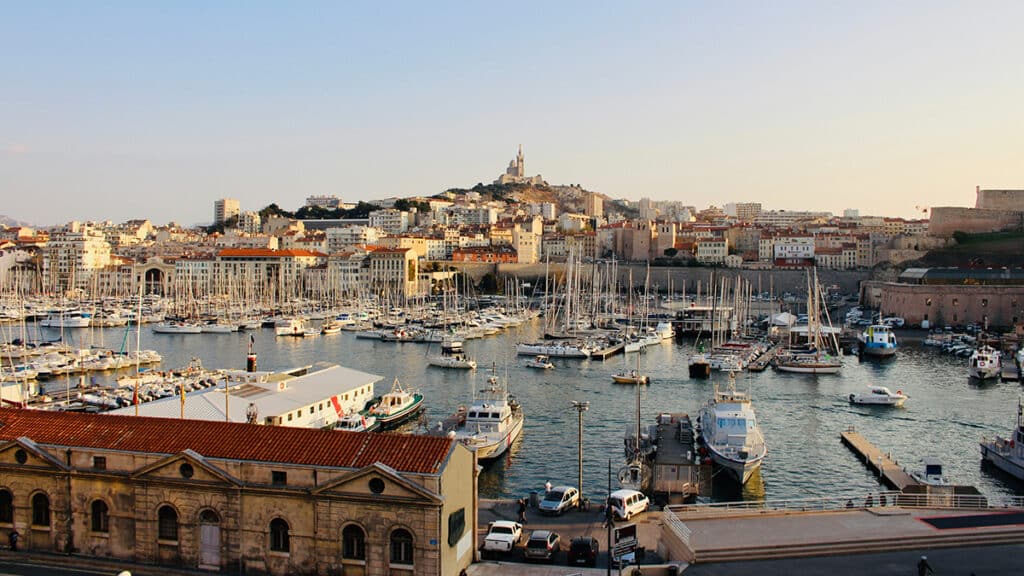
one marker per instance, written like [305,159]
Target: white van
[627,503]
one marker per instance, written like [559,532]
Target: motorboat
[540,362]
[397,406]
[493,422]
[985,363]
[664,330]
[331,327]
[555,350]
[729,432]
[877,340]
[630,377]
[879,396]
[357,422]
[1007,454]
[452,356]
[930,473]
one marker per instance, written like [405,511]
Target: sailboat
[812,358]
[729,431]
[637,473]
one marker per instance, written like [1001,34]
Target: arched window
[167,524]
[209,517]
[100,516]
[353,543]
[6,507]
[401,547]
[278,535]
[41,510]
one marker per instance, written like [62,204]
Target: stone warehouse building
[237,498]
[991,297]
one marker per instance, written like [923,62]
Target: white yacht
[555,349]
[879,396]
[290,327]
[177,327]
[492,423]
[664,330]
[452,356]
[985,363]
[729,431]
[66,319]
[1007,454]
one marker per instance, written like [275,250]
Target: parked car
[543,545]
[627,503]
[502,536]
[559,499]
[584,550]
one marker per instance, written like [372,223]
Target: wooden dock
[609,351]
[1009,372]
[761,362]
[889,472]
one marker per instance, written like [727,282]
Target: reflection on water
[801,415]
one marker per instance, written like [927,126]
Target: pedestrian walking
[12,539]
[522,510]
[923,568]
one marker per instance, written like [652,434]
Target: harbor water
[801,415]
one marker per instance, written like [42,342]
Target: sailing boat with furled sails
[813,357]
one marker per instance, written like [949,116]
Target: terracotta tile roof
[227,440]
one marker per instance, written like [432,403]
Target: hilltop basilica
[516,172]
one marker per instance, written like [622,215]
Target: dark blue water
[801,415]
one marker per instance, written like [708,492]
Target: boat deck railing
[860,501]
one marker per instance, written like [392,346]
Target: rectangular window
[289,416]
[278,478]
[99,462]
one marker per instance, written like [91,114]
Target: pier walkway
[889,471]
[761,362]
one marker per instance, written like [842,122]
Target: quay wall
[679,278]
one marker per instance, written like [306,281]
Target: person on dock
[547,487]
[923,568]
[522,510]
[12,539]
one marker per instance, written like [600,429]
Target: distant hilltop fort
[516,172]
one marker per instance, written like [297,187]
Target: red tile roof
[227,440]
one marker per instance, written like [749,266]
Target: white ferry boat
[985,363]
[729,431]
[492,423]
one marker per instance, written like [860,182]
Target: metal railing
[860,501]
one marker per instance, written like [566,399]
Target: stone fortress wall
[994,210]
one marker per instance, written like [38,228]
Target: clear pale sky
[120,110]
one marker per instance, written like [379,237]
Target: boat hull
[492,450]
[740,471]
[808,368]
[392,421]
[1002,461]
[879,351]
[700,370]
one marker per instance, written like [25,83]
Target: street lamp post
[580,407]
